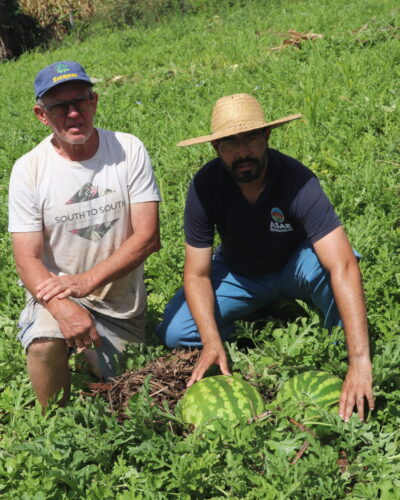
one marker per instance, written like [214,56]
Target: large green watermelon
[220,399]
[305,394]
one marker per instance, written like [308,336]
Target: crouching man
[280,238]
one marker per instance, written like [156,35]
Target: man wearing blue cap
[83,213]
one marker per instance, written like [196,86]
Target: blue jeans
[303,277]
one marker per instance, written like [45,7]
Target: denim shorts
[36,323]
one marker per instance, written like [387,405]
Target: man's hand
[213,353]
[76,324]
[200,298]
[336,255]
[356,387]
[75,285]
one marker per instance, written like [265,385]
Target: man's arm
[200,298]
[144,241]
[336,256]
[75,322]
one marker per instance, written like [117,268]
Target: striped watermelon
[305,394]
[220,399]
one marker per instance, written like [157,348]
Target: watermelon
[220,400]
[305,394]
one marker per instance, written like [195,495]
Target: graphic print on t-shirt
[94,233]
[87,192]
[97,214]
[277,224]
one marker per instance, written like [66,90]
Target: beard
[77,140]
[256,168]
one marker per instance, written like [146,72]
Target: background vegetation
[159,80]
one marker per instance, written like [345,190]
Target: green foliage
[123,13]
[160,82]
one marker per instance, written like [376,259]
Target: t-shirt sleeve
[24,215]
[199,229]
[314,211]
[142,185]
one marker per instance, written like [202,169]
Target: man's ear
[40,114]
[215,145]
[267,132]
[95,99]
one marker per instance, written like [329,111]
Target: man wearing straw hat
[280,238]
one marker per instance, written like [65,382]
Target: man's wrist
[213,341]
[55,305]
[363,361]
[89,282]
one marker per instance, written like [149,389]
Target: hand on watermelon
[212,353]
[356,388]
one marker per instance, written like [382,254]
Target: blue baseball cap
[58,73]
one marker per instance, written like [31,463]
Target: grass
[346,85]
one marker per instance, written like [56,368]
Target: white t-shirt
[82,208]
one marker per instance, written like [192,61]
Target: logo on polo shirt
[277,224]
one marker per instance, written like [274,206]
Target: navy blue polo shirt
[258,238]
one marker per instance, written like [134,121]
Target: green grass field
[160,83]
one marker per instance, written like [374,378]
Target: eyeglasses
[252,140]
[61,109]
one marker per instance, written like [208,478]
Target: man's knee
[177,323]
[169,332]
[47,364]
[48,350]
[178,329]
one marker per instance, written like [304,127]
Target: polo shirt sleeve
[199,228]
[312,208]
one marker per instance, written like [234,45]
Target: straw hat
[234,114]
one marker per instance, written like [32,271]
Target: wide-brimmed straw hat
[234,114]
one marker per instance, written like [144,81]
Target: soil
[168,376]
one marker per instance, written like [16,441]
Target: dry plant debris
[359,30]
[342,461]
[168,377]
[296,39]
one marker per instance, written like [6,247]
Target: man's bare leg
[47,363]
